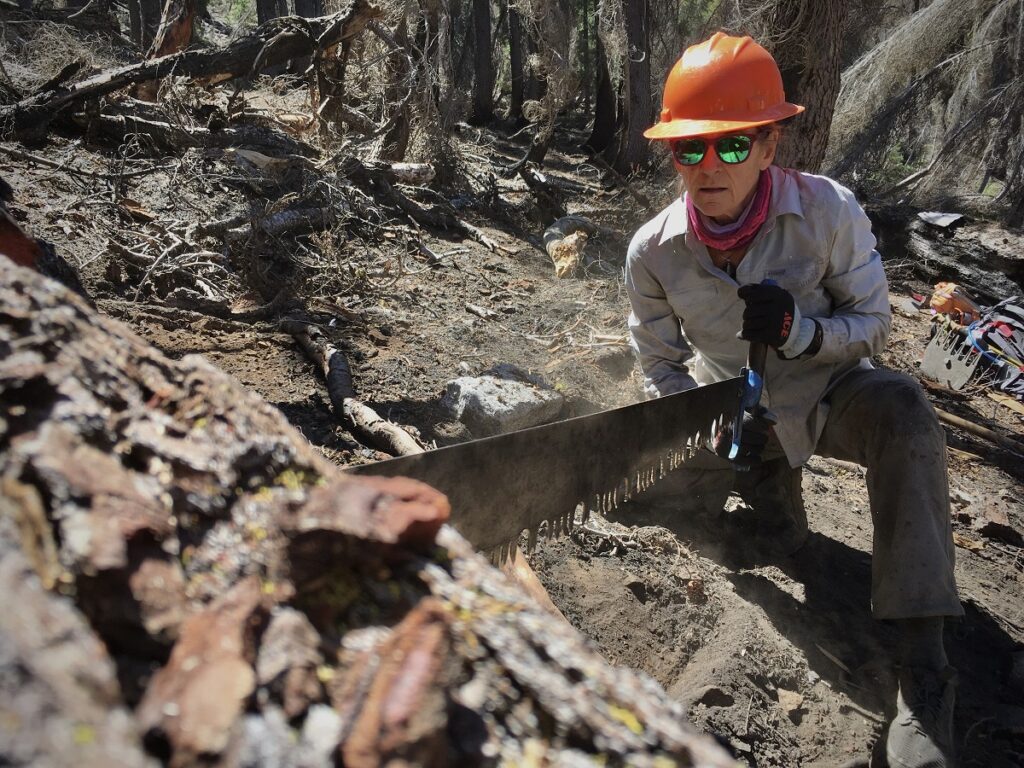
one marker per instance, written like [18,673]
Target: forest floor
[781,659]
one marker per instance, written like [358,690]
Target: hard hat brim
[683,129]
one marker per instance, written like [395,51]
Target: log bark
[272,43]
[182,520]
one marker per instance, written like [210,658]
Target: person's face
[722,190]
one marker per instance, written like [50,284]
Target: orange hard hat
[722,85]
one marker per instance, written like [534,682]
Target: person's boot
[921,734]
[777,516]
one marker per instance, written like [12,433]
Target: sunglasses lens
[689,151]
[733,149]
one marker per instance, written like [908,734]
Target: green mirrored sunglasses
[731,149]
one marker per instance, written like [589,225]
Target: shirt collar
[785,199]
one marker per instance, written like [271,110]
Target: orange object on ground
[950,299]
[722,85]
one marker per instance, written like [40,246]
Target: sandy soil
[781,659]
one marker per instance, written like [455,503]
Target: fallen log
[272,43]
[220,559]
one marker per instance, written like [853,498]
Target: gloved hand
[753,438]
[768,316]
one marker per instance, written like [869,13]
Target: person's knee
[904,409]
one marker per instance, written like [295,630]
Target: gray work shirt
[817,244]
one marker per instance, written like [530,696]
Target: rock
[489,405]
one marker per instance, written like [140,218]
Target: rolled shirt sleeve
[654,328]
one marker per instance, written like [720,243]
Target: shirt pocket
[710,316]
[797,278]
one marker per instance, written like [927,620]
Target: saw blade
[500,486]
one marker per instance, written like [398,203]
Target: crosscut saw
[500,486]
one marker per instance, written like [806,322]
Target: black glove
[754,437]
[768,316]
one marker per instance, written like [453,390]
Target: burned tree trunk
[516,76]
[270,9]
[603,131]
[143,20]
[483,80]
[176,27]
[241,584]
[636,105]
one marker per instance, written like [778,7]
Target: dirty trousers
[881,420]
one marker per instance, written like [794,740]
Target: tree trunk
[161,524]
[585,56]
[515,52]
[637,104]
[270,9]
[483,81]
[309,9]
[810,74]
[143,20]
[395,141]
[176,26]
[603,132]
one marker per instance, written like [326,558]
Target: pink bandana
[744,230]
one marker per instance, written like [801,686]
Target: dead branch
[185,298]
[1014,446]
[272,43]
[174,138]
[300,221]
[549,200]
[359,418]
[378,177]
[67,168]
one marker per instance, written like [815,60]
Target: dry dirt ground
[781,659]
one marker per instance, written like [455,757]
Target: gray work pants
[881,420]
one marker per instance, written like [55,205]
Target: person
[752,252]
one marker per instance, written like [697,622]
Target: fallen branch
[979,431]
[185,298]
[176,138]
[379,177]
[291,37]
[361,419]
[47,163]
[299,221]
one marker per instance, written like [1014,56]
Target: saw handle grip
[753,375]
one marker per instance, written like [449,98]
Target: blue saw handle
[753,375]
